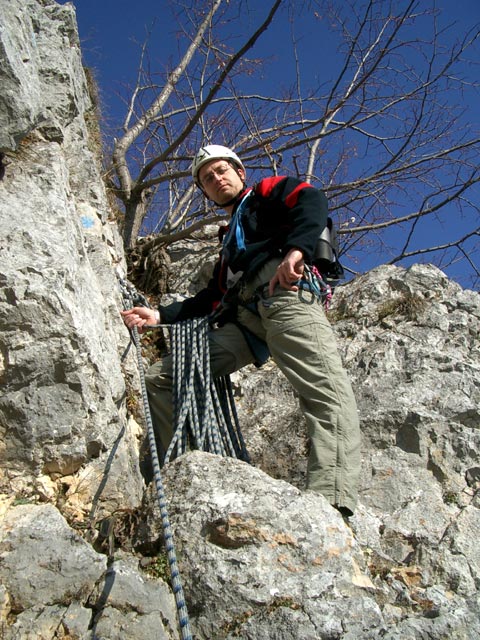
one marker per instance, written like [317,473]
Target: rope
[204,413]
[205,417]
[130,296]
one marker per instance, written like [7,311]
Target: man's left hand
[289,271]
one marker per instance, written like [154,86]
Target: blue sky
[112,30]
[111,45]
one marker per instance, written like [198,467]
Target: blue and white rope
[204,417]
[183,619]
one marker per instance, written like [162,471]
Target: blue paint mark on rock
[87,222]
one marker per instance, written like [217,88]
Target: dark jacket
[280,214]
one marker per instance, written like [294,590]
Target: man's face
[221,181]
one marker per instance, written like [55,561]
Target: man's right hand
[139,317]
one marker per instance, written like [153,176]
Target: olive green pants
[302,344]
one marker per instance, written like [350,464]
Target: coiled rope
[205,416]
[130,298]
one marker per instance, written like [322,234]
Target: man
[271,237]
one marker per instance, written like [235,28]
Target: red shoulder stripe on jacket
[292,198]
[264,187]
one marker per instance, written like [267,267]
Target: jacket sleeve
[304,210]
[200,305]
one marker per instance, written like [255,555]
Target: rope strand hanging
[129,297]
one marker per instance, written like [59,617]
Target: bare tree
[155,120]
[383,131]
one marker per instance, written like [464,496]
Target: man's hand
[139,317]
[288,271]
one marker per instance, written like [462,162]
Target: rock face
[410,339]
[81,552]
[62,339]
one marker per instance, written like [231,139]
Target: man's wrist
[157,316]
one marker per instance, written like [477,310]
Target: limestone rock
[133,606]
[259,557]
[38,60]
[254,549]
[62,336]
[44,564]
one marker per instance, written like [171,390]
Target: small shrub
[159,568]
[408,305]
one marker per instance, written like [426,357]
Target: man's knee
[159,375]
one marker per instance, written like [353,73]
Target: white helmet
[213,152]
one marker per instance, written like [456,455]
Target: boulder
[82,528]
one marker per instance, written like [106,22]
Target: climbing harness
[311,280]
[132,298]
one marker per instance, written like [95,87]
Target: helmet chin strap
[232,200]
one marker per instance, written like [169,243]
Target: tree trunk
[135,210]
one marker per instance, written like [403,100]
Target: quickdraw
[313,281]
